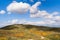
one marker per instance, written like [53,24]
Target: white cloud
[41,23]
[17,21]
[34,8]
[51,23]
[18,7]
[9,22]
[23,21]
[49,18]
[55,13]
[41,14]
[2,12]
[14,21]
[57,18]
[35,23]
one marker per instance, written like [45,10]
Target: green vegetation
[29,32]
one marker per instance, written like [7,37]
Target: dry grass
[23,33]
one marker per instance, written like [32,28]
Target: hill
[29,32]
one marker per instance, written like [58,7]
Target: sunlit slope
[29,32]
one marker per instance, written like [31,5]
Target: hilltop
[29,32]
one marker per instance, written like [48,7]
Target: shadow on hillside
[44,28]
[9,27]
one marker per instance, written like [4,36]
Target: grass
[28,32]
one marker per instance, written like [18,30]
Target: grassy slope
[29,32]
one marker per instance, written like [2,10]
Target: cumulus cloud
[18,7]
[50,23]
[49,19]
[35,23]
[14,21]
[17,21]
[9,22]
[55,13]
[34,8]
[46,15]
[40,14]
[2,12]
[57,18]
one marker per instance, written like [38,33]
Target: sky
[33,12]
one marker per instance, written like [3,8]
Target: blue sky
[36,12]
